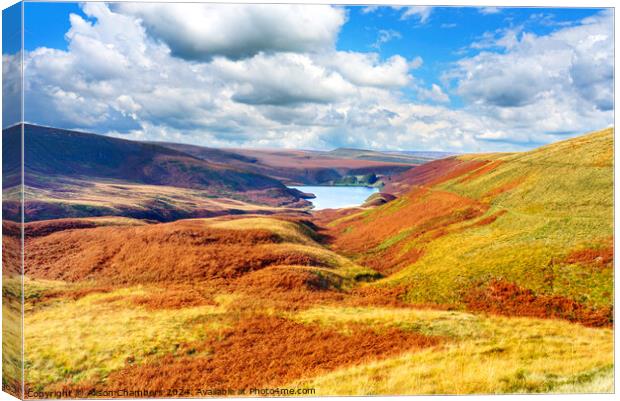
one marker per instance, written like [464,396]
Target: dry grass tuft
[505,298]
[268,351]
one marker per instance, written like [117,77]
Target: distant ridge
[53,151]
[413,158]
[71,174]
[307,167]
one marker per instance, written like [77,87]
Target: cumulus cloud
[197,31]
[366,69]
[120,77]
[148,92]
[11,89]
[555,83]
[282,79]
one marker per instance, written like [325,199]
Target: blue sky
[446,35]
[434,78]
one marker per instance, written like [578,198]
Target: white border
[475,3]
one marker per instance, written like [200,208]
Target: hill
[305,167]
[125,251]
[414,158]
[150,305]
[71,174]
[521,233]
[486,274]
[50,151]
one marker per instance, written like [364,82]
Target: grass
[595,381]
[110,197]
[484,354]
[11,344]
[553,200]
[296,237]
[515,247]
[531,218]
[99,333]
[288,231]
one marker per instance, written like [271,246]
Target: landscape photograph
[303,200]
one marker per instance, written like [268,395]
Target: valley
[159,266]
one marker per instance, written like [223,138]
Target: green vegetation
[370,179]
[554,200]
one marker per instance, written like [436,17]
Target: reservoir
[335,197]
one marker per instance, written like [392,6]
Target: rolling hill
[73,174]
[305,167]
[411,157]
[520,233]
[473,274]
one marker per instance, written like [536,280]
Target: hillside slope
[523,233]
[50,151]
[151,305]
[124,251]
[74,174]
[263,302]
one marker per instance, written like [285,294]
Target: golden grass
[288,231]
[486,355]
[12,344]
[297,238]
[99,333]
[596,381]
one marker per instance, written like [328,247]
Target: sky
[459,79]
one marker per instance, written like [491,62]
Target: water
[330,197]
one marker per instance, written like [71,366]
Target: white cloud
[11,89]
[435,93]
[517,93]
[369,9]
[151,94]
[384,36]
[561,82]
[505,38]
[489,10]
[197,31]
[282,79]
[423,13]
[366,69]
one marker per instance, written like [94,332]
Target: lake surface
[331,197]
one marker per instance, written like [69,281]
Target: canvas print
[232,200]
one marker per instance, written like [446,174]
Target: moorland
[160,266]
